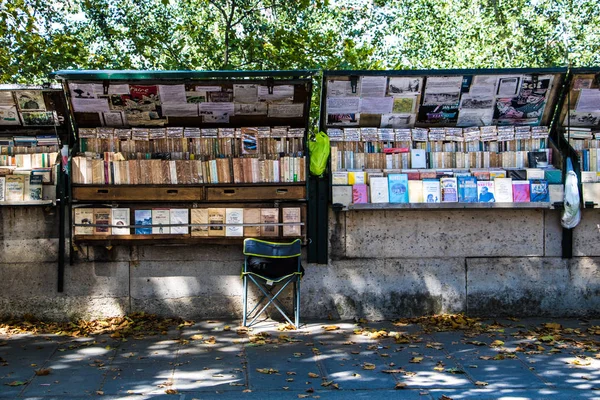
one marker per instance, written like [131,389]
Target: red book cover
[360,193]
[520,191]
[144,95]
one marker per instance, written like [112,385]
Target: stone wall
[383,264]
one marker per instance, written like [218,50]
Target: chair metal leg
[272,299]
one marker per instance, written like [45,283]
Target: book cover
[557,193]
[431,191]
[503,190]
[143,217]
[535,173]
[216,216]
[418,158]
[467,189]
[591,192]
[341,195]
[360,193]
[537,159]
[102,221]
[481,175]
[415,191]
[15,187]
[180,216]
[289,215]
[356,177]
[589,176]
[199,216]
[251,216]
[161,217]
[234,216]
[379,190]
[449,188]
[84,216]
[269,216]
[339,178]
[521,191]
[398,188]
[497,173]
[553,176]
[373,175]
[517,174]
[539,191]
[485,191]
[35,187]
[2,187]
[120,217]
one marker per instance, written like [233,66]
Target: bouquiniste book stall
[579,124]
[32,128]
[183,157]
[443,139]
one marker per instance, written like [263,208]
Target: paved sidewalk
[207,360]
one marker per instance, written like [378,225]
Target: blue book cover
[398,188]
[143,217]
[539,191]
[467,189]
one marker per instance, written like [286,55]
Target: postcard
[404,86]
[286,110]
[343,105]
[250,109]
[475,117]
[341,89]
[86,90]
[114,118]
[30,100]
[247,94]
[589,100]
[443,90]
[373,86]
[9,116]
[376,105]
[39,118]
[280,93]
[118,88]
[172,94]
[397,120]
[404,105]
[508,86]
[6,98]
[575,118]
[180,110]
[349,119]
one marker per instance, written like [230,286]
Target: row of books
[455,134]
[217,222]
[117,171]
[197,147]
[29,141]
[23,186]
[420,158]
[145,134]
[552,175]
[35,160]
[397,188]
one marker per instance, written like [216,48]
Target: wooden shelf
[109,240]
[28,203]
[445,206]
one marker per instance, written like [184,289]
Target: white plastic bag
[572,213]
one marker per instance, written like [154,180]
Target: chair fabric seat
[274,269]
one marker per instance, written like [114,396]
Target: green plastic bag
[318,147]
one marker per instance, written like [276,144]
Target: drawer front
[138,193]
[255,193]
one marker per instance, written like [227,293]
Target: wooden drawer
[138,193]
[255,193]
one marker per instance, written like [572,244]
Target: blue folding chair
[272,267]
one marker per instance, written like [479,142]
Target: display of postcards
[343,119]
[397,120]
[6,98]
[574,118]
[520,110]
[30,100]
[221,97]
[9,116]
[41,118]
[438,114]
[404,105]
[145,97]
[402,86]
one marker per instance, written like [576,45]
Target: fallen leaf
[331,327]
[286,387]
[171,391]
[291,373]
[444,397]
[455,370]
[211,340]
[400,385]
[336,386]
[368,366]
[392,371]
[302,396]
[326,384]
[17,383]
[497,343]
[43,371]
[310,390]
[313,375]
[246,391]
[99,392]
[552,325]
[197,337]
[227,328]
[480,383]
[416,360]
[267,370]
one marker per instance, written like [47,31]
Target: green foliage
[39,36]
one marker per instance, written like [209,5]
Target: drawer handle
[282,191]
[229,192]
[103,191]
[172,191]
